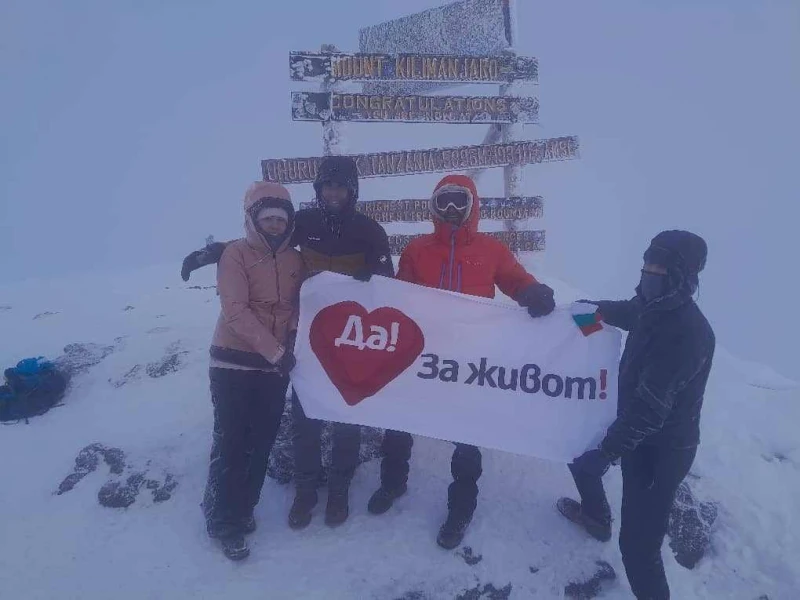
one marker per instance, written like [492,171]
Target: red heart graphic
[359,373]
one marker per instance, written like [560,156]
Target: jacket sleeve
[379,257]
[511,277]
[405,269]
[234,291]
[673,364]
[620,313]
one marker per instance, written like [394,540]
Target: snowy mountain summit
[101,494]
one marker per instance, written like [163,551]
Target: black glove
[538,299]
[364,274]
[287,363]
[291,340]
[200,258]
[593,462]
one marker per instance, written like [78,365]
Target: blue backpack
[32,388]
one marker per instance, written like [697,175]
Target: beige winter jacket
[258,291]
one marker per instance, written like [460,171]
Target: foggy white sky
[131,130]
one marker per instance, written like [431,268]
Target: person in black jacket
[662,380]
[333,236]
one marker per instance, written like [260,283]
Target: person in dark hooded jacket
[333,236]
[662,380]
[456,257]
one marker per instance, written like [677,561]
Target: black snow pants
[650,479]
[465,467]
[247,413]
[307,442]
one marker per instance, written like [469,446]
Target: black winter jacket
[359,243]
[663,373]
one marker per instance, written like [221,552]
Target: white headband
[272,211]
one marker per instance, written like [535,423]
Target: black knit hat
[338,169]
[679,251]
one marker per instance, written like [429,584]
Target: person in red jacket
[458,258]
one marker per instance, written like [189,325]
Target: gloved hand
[593,462]
[200,258]
[538,299]
[364,274]
[287,363]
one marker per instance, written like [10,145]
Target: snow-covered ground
[68,546]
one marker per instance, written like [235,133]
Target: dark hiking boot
[451,534]
[338,508]
[599,530]
[234,547]
[249,525]
[300,513]
[383,499]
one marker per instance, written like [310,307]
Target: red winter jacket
[461,259]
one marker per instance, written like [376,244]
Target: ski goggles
[457,199]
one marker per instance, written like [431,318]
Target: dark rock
[469,557]
[163,492]
[87,461]
[4,308]
[45,314]
[115,459]
[415,595]
[489,592]
[114,493]
[171,363]
[117,495]
[87,458]
[690,527]
[70,481]
[132,374]
[78,358]
[127,308]
[534,570]
[591,588]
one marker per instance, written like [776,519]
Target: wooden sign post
[320,106]
[433,160]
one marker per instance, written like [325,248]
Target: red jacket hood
[467,231]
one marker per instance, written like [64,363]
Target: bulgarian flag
[587,317]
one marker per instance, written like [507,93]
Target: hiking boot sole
[572,511]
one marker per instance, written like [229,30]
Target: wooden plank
[417,211]
[320,106]
[438,68]
[517,241]
[433,160]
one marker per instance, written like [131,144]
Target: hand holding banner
[398,356]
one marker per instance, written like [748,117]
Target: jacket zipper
[452,258]
[278,289]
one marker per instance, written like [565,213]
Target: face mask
[652,285]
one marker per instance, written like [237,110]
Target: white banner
[399,356]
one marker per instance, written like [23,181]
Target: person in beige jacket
[258,282]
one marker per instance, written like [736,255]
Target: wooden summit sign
[409,162]
[320,106]
[517,241]
[417,211]
[442,68]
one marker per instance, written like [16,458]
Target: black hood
[338,169]
[682,253]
